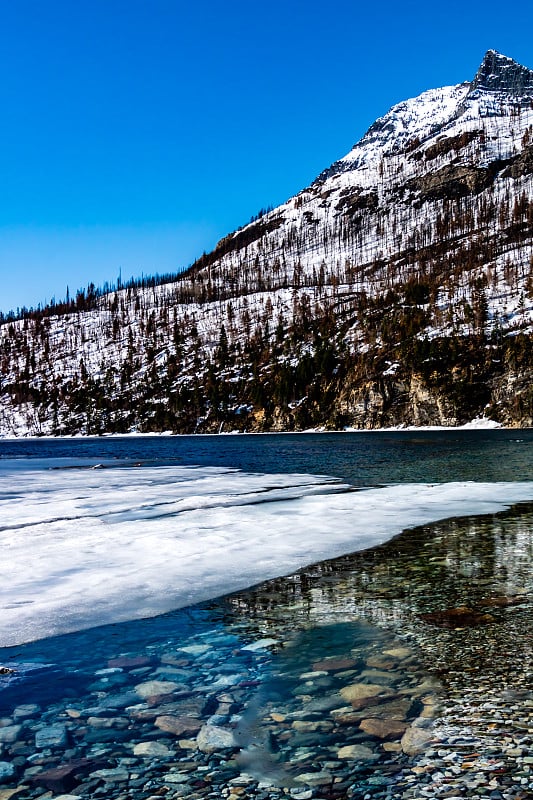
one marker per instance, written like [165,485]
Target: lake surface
[362,459]
[128,700]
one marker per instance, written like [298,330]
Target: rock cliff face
[396,289]
[498,73]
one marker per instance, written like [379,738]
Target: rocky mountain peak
[499,73]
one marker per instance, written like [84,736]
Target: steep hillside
[396,289]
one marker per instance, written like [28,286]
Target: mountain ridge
[396,289]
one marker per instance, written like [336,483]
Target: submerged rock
[7,771]
[212,738]
[461,617]
[315,778]
[357,752]
[53,736]
[26,711]
[261,644]
[383,728]
[66,776]
[179,726]
[395,709]
[9,733]
[398,652]
[334,664]
[156,688]
[115,775]
[415,740]
[362,691]
[152,749]
[129,662]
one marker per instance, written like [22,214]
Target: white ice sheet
[83,547]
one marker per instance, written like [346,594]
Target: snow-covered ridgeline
[85,338]
[321,234]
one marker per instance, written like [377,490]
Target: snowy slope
[384,167]
[421,233]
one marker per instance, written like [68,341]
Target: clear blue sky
[135,133]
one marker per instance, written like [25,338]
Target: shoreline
[482,425]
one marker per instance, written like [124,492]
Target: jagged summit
[499,73]
[500,84]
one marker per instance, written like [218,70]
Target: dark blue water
[362,459]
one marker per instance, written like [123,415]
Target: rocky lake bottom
[404,671]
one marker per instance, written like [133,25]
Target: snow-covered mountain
[396,289]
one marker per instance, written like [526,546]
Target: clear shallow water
[359,607]
[272,665]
